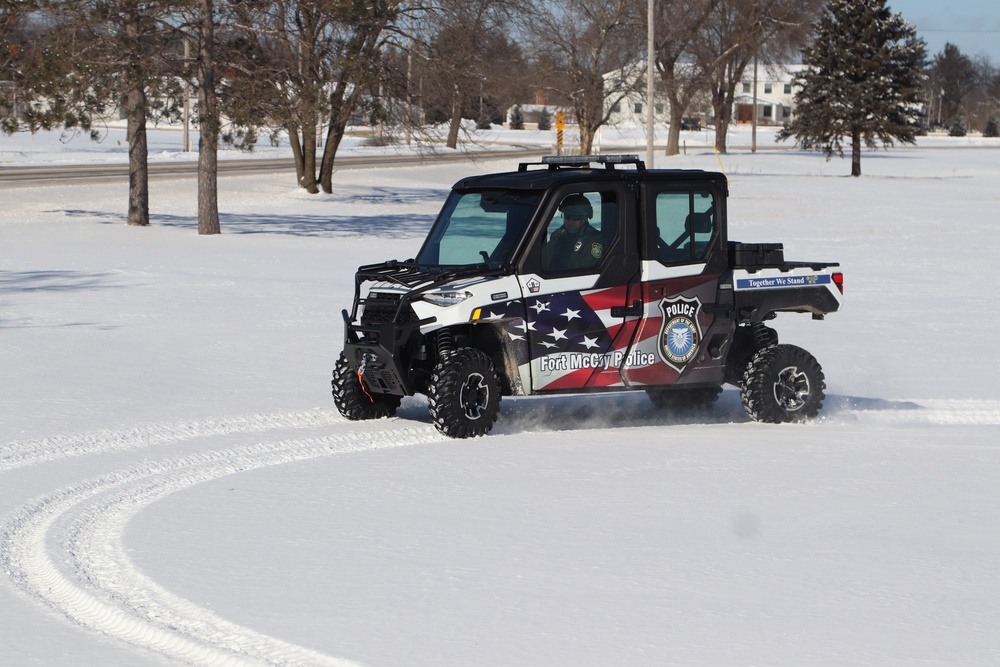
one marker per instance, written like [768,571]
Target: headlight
[446,298]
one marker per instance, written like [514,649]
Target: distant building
[532,113]
[775,101]
[775,95]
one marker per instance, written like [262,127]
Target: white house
[775,95]
[775,100]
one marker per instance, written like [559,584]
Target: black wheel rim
[474,396]
[791,389]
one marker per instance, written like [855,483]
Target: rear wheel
[747,341]
[783,383]
[353,401]
[464,394]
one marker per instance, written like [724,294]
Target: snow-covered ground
[177,488]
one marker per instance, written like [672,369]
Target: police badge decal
[681,333]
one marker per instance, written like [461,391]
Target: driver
[575,245]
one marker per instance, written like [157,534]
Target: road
[49,175]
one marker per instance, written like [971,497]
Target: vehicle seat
[699,225]
[517,221]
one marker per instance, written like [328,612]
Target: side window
[580,232]
[685,222]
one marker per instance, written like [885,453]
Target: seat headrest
[699,223]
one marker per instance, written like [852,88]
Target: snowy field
[176,486]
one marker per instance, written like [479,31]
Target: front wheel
[783,383]
[353,400]
[464,394]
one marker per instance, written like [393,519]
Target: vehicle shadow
[588,412]
[621,410]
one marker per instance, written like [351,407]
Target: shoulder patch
[597,250]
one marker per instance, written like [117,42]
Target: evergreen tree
[991,128]
[517,118]
[98,56]
[861,82]
[544,119]
[958,129]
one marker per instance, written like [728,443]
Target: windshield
[478,228]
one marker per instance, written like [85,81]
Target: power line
[970,30]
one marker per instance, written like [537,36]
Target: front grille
[380,308]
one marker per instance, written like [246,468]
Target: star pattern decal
[567,323]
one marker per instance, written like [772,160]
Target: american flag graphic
[569,340]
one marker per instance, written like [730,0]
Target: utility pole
[408,123]
[187,91]
[650,61]
[753,122]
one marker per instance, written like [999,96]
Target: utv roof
[556,169]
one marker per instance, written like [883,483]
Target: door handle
[635,310]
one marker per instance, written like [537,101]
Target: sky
[972,25]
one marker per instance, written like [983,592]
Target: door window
[685,223]
[580,234]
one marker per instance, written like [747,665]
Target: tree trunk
[138,154]
[341,106]
[293,140]
[334,135]
[208,123]
[456,119]
[722,104]
[721,134]
[856,153]
[586,138]
[674,131]
[309,156]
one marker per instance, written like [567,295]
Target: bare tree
[304,64]
[679,26]
[591,48]
[467,56]
[360,31]
[956,76]
[741,32]
[983,103]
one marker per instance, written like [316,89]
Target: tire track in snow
[944,412]
[65,549]
[88,577]
[17,454]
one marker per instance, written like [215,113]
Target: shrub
[517,118]
[991,129]
[544,119]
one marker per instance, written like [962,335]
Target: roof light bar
[603,159]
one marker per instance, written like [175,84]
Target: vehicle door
[577,287]
[683,332]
